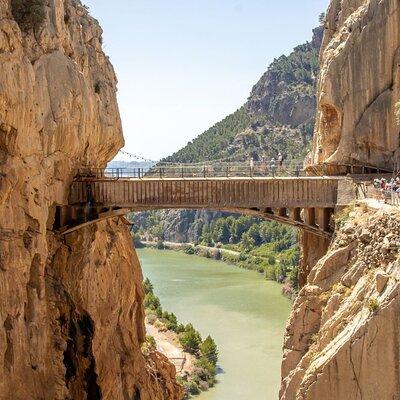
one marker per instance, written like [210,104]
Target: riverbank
[247,261]
[195,359]
[167,343]
[245,315]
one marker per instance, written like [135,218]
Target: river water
[243,312]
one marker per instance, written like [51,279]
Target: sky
[183,65]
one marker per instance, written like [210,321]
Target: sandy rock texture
[312,249]
[342,340]
[71,316]
[359,84]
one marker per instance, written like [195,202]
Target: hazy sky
[183,65]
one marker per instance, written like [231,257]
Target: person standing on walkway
[251,166]
[264,166]
[272,166]
[280,160]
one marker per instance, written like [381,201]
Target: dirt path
[167,344]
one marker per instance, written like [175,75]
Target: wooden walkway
[305,202]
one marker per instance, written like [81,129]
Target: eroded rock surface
[342,340]
[359,84]
[71,316]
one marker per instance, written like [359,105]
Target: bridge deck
[208,193]
[304,202]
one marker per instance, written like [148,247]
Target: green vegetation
[247,242]
[205,352]
[209,349]
[149,345]
[29,14]
[211,144]
[190,340]
[373,305]
[270,121]
[343,216]
[267,247]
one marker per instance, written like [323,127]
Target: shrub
[205,371]
[342,216]
[373,305]
[188,249]
[151,341]
[29,14]
[192,388]
[137,241]
[149,345]
[160,245]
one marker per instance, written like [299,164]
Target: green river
[243,312]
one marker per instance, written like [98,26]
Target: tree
[247,241]
[170,320]
[190,339]
[152,302]
[147,286]
[206,237]
[209,350]
[220,231]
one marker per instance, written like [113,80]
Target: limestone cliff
[359,84]
[342,340]
[71,316]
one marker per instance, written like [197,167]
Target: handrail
[224,170]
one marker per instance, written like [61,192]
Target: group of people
[384,185]
[272,164]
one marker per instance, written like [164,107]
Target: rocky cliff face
[285,93]
[342,340]
[359,84]
[71,316]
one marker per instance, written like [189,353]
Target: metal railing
[289,168]
[214,170]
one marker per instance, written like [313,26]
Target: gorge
[71,307]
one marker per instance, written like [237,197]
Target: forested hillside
[278,116]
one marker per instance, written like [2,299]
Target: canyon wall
[359,84]
[342,339]
[71,315]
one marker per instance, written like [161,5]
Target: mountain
[277,117]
